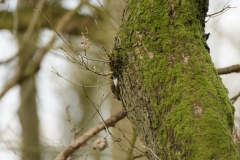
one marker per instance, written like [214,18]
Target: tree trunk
[168,84]
[29,120]
[27,111]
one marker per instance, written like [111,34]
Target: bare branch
[89,134]
[230,69]
[108,13]
[72,124]
[234,99]
[97,111]
[84,65]
[235,134]
[8,60]
[60,26]
[18,77]
[81,85]
[223,10]
[85,124]
[132,145]
[129,147]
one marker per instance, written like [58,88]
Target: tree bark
[27,111]
[168,84]
[29,120]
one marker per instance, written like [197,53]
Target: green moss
[188,108]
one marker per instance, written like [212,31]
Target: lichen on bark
[168,84]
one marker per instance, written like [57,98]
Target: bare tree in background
[28,22]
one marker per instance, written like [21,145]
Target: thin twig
[72,124]
[223,10]
[120,141]
[84,65]
[132,145]
[107,12]
[55,71]
[84,125]
[60,26]
[26,36]
[128,139]
[10,148]
[150,151]
[97,111]
[234,99]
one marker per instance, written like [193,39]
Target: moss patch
[176,98]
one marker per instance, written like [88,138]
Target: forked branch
[223,10]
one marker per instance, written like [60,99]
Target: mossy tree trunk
[168,84]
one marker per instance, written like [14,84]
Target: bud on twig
[100,143]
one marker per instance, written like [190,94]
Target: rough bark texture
[168,84]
